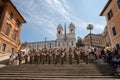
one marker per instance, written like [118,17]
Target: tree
[90,28]
[79,42]
[19,44]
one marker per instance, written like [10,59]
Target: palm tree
[90,27]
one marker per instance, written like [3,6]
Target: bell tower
[59,31]
[72,28]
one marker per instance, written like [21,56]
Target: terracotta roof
[17,11]
[109,1]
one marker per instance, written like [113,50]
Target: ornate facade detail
[63,39]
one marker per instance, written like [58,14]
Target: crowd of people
[67,55]
[52,56]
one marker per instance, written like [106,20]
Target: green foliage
[19,42]
[101,46]
[79,42]
[90,27]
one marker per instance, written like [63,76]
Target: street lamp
[45,41]
[25,44]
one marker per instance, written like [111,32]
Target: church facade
[63,40]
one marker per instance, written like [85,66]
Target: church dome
[60,27]
[72,26]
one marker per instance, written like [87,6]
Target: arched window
[67,43]
[59,32]
[58,43]
[7,32]
[71,30]
[72,43]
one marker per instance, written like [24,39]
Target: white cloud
[47,14]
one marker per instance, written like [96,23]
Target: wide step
[57,72]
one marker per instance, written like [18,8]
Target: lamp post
[56,43]
[45,41]
[25,44]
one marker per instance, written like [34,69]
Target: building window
[67,43]
[1,9]
[63,43]
[7,30]
[50,44]
[11,15]
[72,43]
[114,31]
[71,30]
[55,43]
[12,50]
[3,47]
[110,14]
[59,32]
[17,22]
[15,36]
[117,46]
[59,44]
[118,2]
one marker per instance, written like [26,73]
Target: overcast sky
[43,17]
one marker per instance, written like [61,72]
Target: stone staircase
[82,71]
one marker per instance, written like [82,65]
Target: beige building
[111,12]
[10,27]
[106,37]
[43,44]
[63,39]
[97,40]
